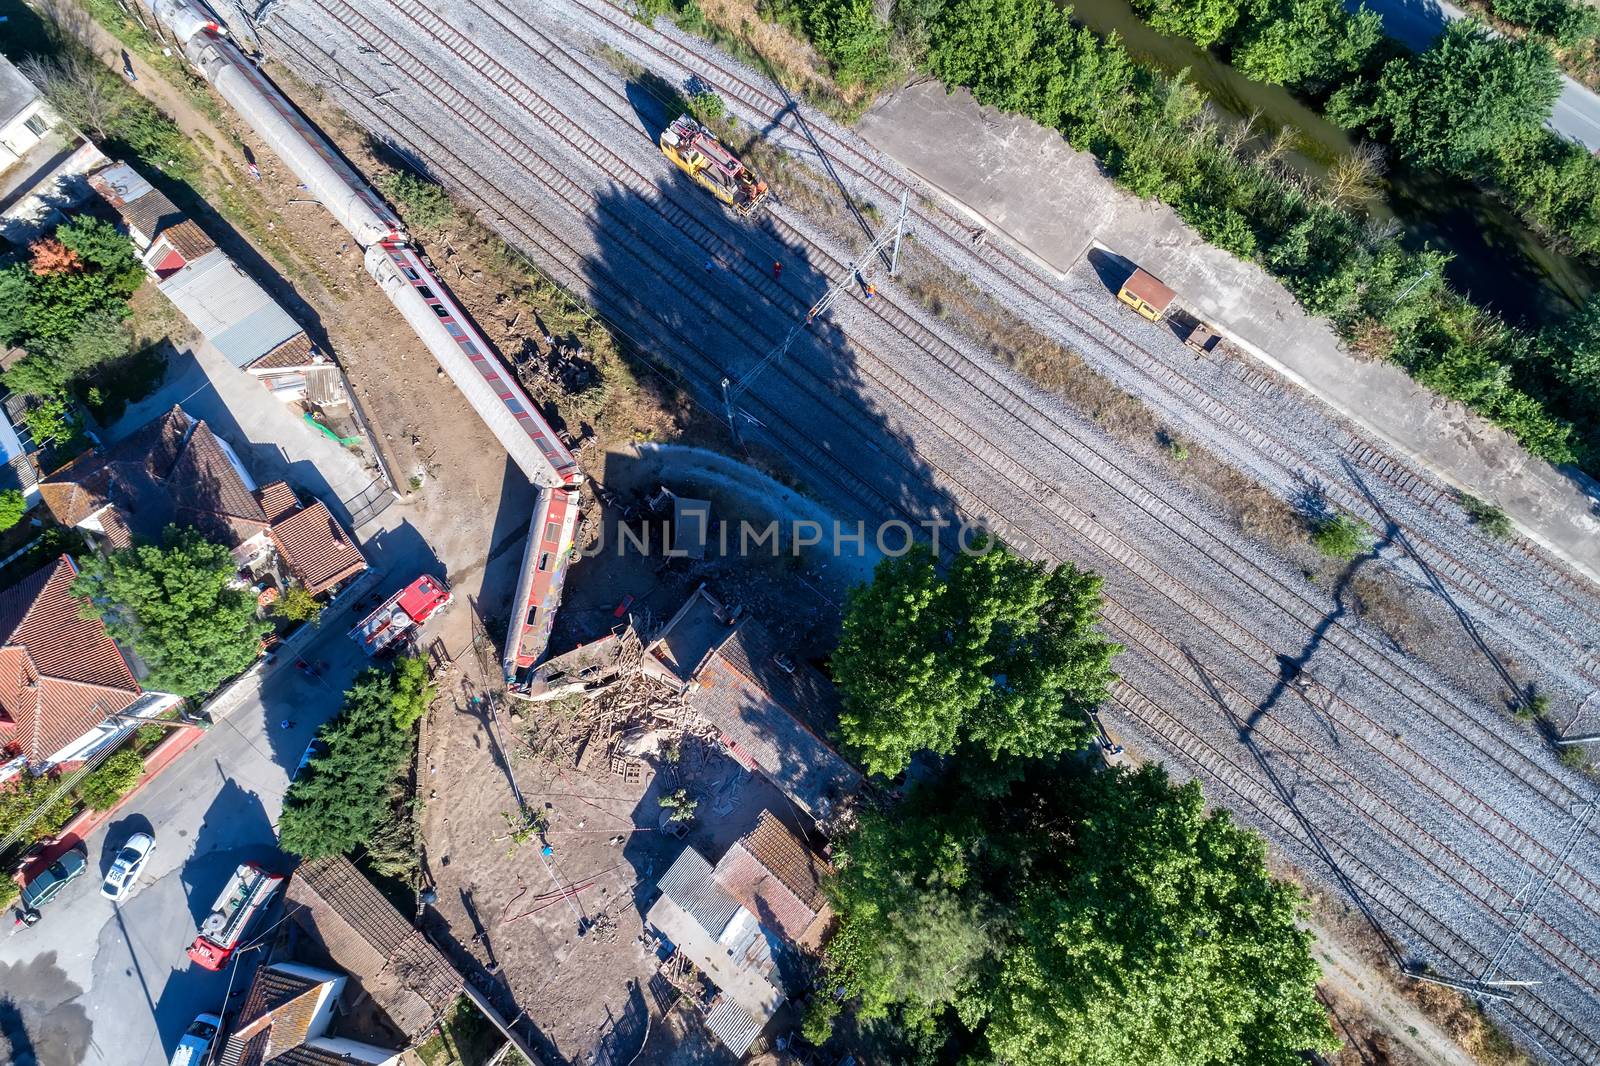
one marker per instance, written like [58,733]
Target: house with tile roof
[62,677]
[765,707]
[397,968]
[286,1020]
[223,302]
[734,921]
[177,471]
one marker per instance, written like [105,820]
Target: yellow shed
[1146,295]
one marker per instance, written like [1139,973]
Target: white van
[196,1041]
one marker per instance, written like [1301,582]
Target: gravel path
[1376,773]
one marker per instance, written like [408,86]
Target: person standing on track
[777,270]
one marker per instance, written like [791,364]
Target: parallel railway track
[495,200]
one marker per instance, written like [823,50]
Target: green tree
[1082,917]
[916,929]
[852,38]
[1002,653]
[413,691]
[107,783]
[1458,104]
[298,605]
[1161,915]
[1564,22]
[52,419]
[13,505]
[1205,22]
[177,605]
[1309,44]
[344,795]
[98,243]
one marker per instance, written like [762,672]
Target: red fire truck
[247,892]
[395,621]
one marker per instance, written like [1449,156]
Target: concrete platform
[1031,186]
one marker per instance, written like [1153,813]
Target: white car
[194,1049]
[127,866]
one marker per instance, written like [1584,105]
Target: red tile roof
[276,1016]
[209,492]
[316,548]
[60,673]
[188,239]
[294,352]
[278,500]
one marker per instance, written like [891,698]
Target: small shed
[1145,294]
[1203,339]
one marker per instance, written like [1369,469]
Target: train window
[546,447]
[533,614]
[412,274]
[544,561]
[427,293]
[469,347]
[440,310]
[552,530]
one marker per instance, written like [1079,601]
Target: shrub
[102,787]
[1486,516]
[1341,537]
[707,107]
[852,38]
[298,605]
[22,796]
[425,204]
[10,889]
[13,505]
[1573,755]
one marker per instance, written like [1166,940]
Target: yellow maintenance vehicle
[699,154]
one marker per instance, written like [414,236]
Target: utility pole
[855,273]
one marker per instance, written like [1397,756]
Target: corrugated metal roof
[225,304]
[732,1025]
[688,881]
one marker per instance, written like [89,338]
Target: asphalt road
[1415,23]
[97,982]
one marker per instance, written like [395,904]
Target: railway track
[1087,454]
[822,462]
[1197,393]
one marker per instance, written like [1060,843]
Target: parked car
[127,866]
[195,1044]
[314,750]
[49,884]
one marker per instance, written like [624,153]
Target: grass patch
[1341,537]
[1486,516]
[115,385]
[464,1036]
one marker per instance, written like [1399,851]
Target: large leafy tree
[1002,653]
[1081,918]
[1205,22]
[1305,43]
[176,604]
[1159,938]
[343,795]
[1458,104]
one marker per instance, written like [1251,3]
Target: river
[1497,260]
